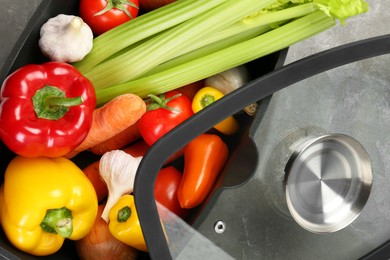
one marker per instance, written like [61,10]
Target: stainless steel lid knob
[328,182]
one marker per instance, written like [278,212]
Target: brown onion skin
[101,244]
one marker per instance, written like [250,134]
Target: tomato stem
[161,102]
[117,4]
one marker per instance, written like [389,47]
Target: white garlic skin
[65,38]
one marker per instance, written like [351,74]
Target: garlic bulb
[118,170]
[65,38]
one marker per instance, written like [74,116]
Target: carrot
[124,138]
[92,173]
[109,120]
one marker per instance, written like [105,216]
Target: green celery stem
[243,30]
[203,67]
[219,41]
[141,28]
[163,47]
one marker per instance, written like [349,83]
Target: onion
[101,244]
[230,80]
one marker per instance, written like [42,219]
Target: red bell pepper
[45,110]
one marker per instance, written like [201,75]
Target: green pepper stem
[207,100]
[124,214]
[63,102]
[58,221]
[51,102]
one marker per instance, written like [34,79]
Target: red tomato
[103,15]
[168,111]
[165,190]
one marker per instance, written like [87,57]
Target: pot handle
[231,104]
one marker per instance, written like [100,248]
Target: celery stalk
[222,60]
[162,47]
[240,31]
[144,26]
[218,43]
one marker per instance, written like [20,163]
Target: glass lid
[249,217]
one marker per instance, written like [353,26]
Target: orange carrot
[92,173]
[111,119]
[124,138]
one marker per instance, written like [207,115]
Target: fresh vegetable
[124,224]
[65,38]
[92,173]
[103,15]
[230,80]
[43,201]
[139,29]
[124,138]
[190,89]
[163,114]
[101,244]
[149,5]
[118,170]
[204,158]
[143,57]
[111,119]
[205,97]
[165,190]
[140,148]
[46,110]
[194,42]
[137,149]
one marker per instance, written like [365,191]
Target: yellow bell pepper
[124,224]
[43,201]
[206,96]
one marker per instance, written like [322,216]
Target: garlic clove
[118,169]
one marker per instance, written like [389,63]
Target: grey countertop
[373,23]
[14,16]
